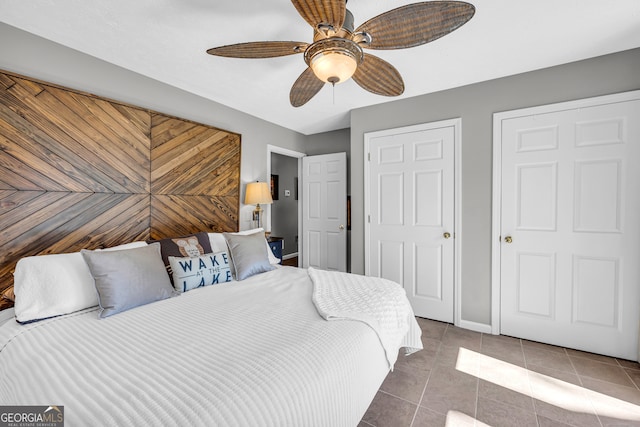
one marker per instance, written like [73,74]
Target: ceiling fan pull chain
[333,90]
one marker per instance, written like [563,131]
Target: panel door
[570,235]
[324,211]
[411,215]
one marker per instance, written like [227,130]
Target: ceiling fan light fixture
[336,54]
[334,60]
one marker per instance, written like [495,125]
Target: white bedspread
[251,353]
[380,303]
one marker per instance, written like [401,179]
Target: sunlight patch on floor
[458,419]
[545,388]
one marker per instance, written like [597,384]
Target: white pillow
[219,244]
[52,285]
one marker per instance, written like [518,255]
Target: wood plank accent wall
[79,171]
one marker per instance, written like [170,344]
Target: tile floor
[465,378]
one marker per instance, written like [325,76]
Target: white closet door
[570,235]
[410,214]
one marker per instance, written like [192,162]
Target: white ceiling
[167,39]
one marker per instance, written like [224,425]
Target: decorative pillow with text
[209,269]
[193,245]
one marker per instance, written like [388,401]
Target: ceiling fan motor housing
[325,30]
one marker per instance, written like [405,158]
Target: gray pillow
[248,255]
[128,278]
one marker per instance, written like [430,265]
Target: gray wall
[33,56]
[475,104]
[337,141]
[284,211]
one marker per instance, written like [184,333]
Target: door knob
[508,239]
[446,235]
[341,227]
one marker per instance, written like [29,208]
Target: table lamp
[258,193]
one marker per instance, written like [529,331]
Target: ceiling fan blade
[416,24]
[305,88]
[378,76]
[316,12]
[259,49]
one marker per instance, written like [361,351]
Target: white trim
[456,123]
[289,256]
[474,326]
[457,218]
[571,105]
[496,222]
[283,151]
[289,153]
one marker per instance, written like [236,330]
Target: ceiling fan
[336,53]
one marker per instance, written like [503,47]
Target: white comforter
[380,303]
[251,353]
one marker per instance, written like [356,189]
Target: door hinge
[369,219]
[369,156]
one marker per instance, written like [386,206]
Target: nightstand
[276,244]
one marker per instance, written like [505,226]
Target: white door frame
[289,153]
[496,222]
[457,166]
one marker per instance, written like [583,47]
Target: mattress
[250,353]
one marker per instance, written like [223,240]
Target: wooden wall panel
[194,176]
[53,142]
[78,171]
[192,159]
[177,214]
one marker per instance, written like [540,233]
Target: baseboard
[474,326]
[289,256]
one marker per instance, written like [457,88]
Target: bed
[282,347]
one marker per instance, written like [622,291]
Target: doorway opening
[285,213]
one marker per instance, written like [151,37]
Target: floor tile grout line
[424,389]
[626,367]
[579,380]
[398,397]
[617,365]
[575,371]
[630,379]
[475,409]
[593,407]
[526,367]
[494,400]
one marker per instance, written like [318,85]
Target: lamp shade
[258,193]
